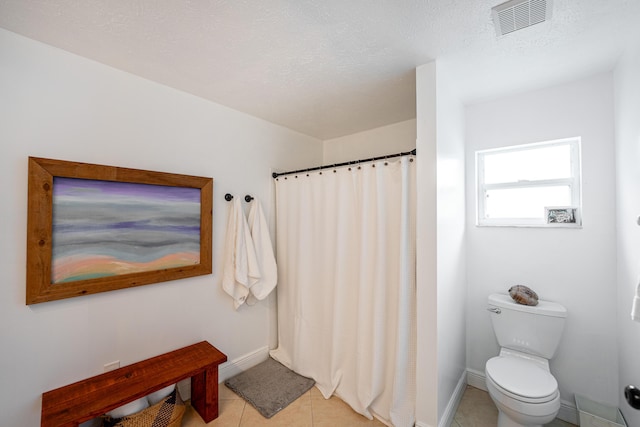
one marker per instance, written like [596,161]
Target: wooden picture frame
[153,199]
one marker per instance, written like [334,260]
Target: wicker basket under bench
[87,399]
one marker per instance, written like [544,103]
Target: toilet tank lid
[545,308]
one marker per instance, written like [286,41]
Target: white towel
[635,309]
[240,269]
[264,252]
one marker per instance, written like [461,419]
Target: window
[516,184]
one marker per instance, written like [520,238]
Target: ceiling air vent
[518,14]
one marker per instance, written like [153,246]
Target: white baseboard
[452,406]
[476,379]
[242,363]
[229,369]
[454,401]
[568,411]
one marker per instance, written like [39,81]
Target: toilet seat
[521,379]
[520,412]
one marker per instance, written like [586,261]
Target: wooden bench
[87,399]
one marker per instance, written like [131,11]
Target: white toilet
[518,379]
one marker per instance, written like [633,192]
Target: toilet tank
[530,329]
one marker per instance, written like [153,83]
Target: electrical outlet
[111,366]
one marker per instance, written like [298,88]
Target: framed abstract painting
[95,228]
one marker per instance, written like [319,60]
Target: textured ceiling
[333,67]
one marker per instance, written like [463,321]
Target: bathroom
[559,263]
[576,267]
[90,112]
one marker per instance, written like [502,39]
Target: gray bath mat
[269,386]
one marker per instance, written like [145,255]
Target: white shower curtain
[346,291]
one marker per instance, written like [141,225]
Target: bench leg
[204,393]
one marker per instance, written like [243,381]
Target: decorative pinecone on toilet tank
[523,295]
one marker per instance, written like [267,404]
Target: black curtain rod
[353,162]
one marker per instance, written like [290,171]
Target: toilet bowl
[525,393]
[519,380]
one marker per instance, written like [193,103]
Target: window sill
[530,225]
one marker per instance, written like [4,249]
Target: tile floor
[310,410]
[476,409]
[313,410]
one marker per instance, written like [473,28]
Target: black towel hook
[248,198]
[228,197]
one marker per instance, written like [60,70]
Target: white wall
[396,138]
[441,264]
[627,92]
[426,232]
[451,263]
[575,267]
[60,106]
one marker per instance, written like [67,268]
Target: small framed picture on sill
[562,215]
